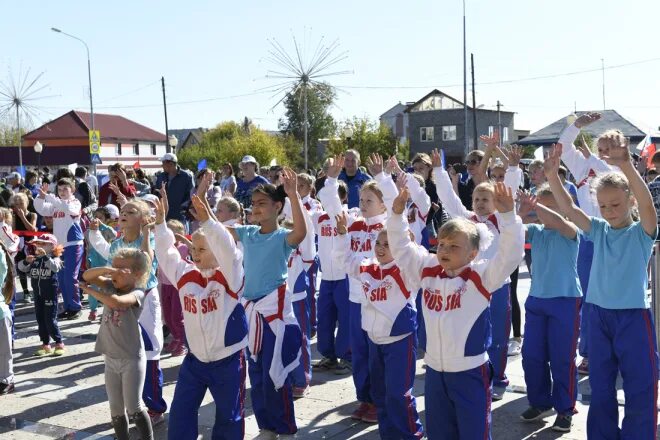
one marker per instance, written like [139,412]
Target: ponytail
[8,287]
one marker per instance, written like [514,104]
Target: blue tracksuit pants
[225,379]
[311,294]
[585,257]
[45,310]
[622,341]
[273,408]
[67,278]
[500,317]
[458,404]
[392,373]
[548,355]
[302,375]
[360,355]
[334,313]
[421,327]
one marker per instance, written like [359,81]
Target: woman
[249,181]
[228,181]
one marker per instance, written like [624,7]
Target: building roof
[395,110]
[76,124]
[435,92]
[610,119]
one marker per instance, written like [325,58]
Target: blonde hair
[612,180]
[460,225]
[233,206]
[372,186]
[544,191]
[497,163]
[5,215]
[18,196]
[535,164]
[309,180]
[423,158]
[142,206]
[485,187]
[176,226]
[613,137]
[140,263]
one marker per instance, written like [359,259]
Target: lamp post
[89,77]
[38,148]
[171,143]
[348,134]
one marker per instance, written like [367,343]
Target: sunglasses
[472,162]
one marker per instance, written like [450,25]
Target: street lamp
[89,77]
[348,134]
[171,142]
[38,148]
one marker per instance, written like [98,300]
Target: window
[153,149]
[426,134]
[449,133]
[136,149]
[505,134]
[491,130]
[118,150]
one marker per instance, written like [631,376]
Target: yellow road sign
[94,142]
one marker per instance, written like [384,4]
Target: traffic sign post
[95,148]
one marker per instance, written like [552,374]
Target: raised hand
[94,224]
[121,174]
[160,211]
[551,163]
[204,184]
[392,166]
[436,158]
[335,165]
[375,164]
[527,203]
[163,198]
[399,204]
[342,223]
[586,119]
[180,238]
[201,211]
[503,199]
[43,190]
[290,182]
[513,155]
[584,148]
[491,142]
[619,155]
[402,181]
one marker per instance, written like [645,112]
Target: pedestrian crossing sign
[94,142]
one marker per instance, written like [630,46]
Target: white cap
[248,159]
[113,210]
[13,175]
[169,157]
[150,198]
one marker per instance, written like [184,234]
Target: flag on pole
[136,165]
[201,164]
[647,149]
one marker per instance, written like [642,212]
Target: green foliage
[320,98]
[9,136]
[528,151]
[230,141]
[587,138]
[369,137]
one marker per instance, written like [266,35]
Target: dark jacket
[43,274]
[179,190]
[354,184]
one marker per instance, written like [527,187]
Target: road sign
[94,142]
[96,159]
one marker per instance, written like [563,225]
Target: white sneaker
[514,348]
[266,434]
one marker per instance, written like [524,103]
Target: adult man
[118,178]
[179,185]
[353,177]
[249,181]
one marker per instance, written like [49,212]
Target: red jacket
[106,195]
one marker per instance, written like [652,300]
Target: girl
[274,335]
[6,319]
[375,196]
[93,258]
[120,289]
[389,318]
[133,218]
[24,220]
[485,212]
[169,297]
[229,212]
[456,292]
[42,268]
[215,321]
[228,182]
[552,312]
[621,335]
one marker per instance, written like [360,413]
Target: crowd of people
[379,260]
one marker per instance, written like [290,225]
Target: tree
[9,136]
[370,137]
[320,97]
[229,142]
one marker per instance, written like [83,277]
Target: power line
[130,92]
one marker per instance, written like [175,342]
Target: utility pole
[602,66]
[465,112]
[474,109]
[167,142]
[499,123]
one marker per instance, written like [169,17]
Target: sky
[216,52]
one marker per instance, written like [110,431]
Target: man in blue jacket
[353,177]
[179,184]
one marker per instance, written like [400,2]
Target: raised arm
[290,182]
[491,144]
[418,195]
[169,259]
[448,197]
[328,195]
[341,251]
[575,161]
[96,240]
[563,198]
[43,203]
[514,175]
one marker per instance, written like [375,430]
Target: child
[134,216]
[6,319]
[120,290]
[389,318]
[7,236]
[333,303]
[228,211]
[24,220]
[274,335]
[552,312]
[456,291]
[42,267]
[169,297]
[215,321]
[621,335]
[375,197]
[65,211]
[93,258]
[486,213]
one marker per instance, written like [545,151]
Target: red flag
[136,165]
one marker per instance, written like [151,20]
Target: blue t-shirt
[119,243]
[618,277]
[555,263]
[244,190]
[265,259]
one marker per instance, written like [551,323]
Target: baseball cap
[248,159]
[150,198]
[13,175]
[113,210]
[46,238]
[169,157]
